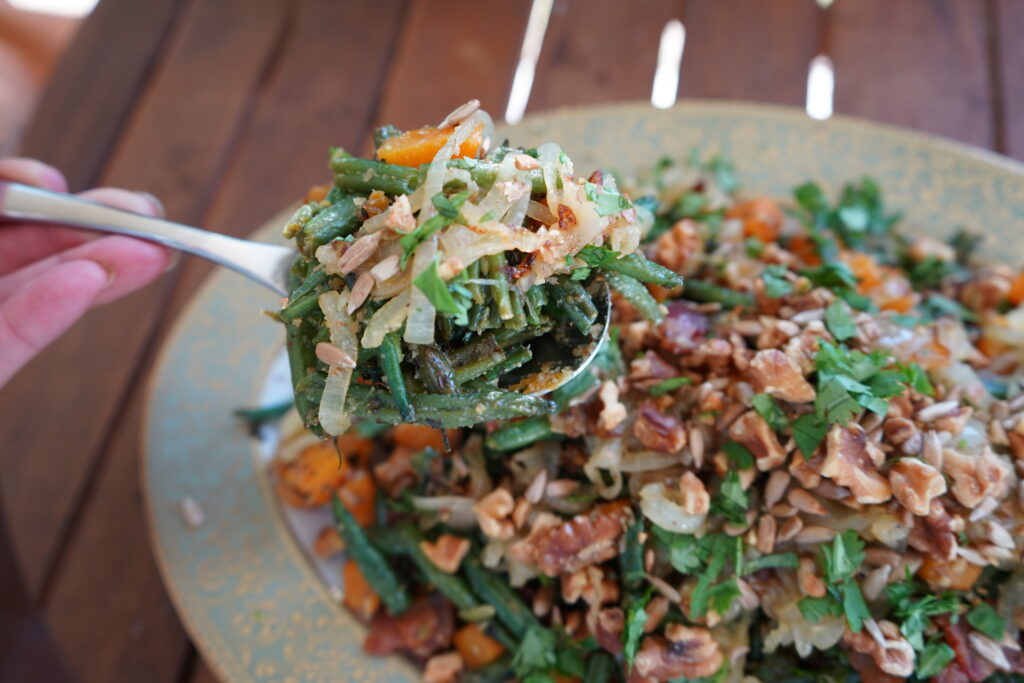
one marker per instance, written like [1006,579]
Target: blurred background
[225,110]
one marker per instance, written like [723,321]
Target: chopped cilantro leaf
[671,384]
[436,290]
[768,409]
[775,283]
[985,619]
[839,321]
[849,380]
[778,560]
[916,377]
[725,174]
[633,630]
[606,202]
[686,553]
[447,213]
[929,273]
[934,658]
[536,652]
[720,596]
[808,431]
[731,501]
[938,306]
[689,205]
[718,547]
[811,197]
[965,244]
[739,455]
[914,612]
[813,609]
[843,556]
[854,607]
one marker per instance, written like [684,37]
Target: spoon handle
[265,263]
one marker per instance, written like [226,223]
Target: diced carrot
[761,218]
[805,249]
[476,648]
[359,494]
[419,437]
[900,304]
[312,475]
[376,203]
[957,574]
[418,147]
[317,193]
[864,268]
[357,448]
[991,348]
[359,597]
[1016,294]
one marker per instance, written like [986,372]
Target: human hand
[50,276]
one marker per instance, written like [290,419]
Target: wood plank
[600,51]
[109,556]
[96,84]
[749,49]
[202,673]
[917,64]
[447,55]
[175,147]
[1006,26]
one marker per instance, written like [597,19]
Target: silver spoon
[553,364]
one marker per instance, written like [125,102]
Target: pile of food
[803,464]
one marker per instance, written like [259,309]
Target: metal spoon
[554,362]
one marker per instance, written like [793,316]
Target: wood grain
[600,51]
[749,49]
[202,673]
[919,64]
[1007,27]
[96,85]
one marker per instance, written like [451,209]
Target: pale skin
[51,276]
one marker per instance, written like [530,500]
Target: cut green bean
[496,271]
[435,370]
[384,133]
[472,369]
[707,292]
[507,338]
[536,297]
[483,347]
[338,220]
[631,561]
[495,591]
[575,293]
[601,668]
[515,357]
[518,319]
[301,358]
[517,435]
[365,175]
[301,306]
[446,410]
[390,358]
[371,563]
[635,293]
[473,273]
[639,267]
[574,315]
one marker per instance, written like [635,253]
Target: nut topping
[914,484]
[774,373]
[852,461]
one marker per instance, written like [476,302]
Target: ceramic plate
[254,603]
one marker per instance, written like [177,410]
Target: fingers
[43,308]
[130,263]
[32,172]
[24,244]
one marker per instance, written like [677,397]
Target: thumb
[42,308]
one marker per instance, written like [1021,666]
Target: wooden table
[225,110]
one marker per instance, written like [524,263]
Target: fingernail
[157,205]
[173,259]
[111,274]
[52,179]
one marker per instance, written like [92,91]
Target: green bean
[495,591]
[497,671]
[631,561]
[601,668]
[315,277]
[496,270]
[517,435]
[478,317]
[254,417]
[518,319]
[301,357]
[575,316]
[384,133]
[338,220]
[390,358]
[301,306]
[387,539]
[365,175]
[639,267]
[515,357]
[484,174]
[435,370]
[507,338]
[453,587]
[483,347]
[707,292]
[371,563]
[536,297]
[446,410]
[575,293]
[473,273]
[636,294]
[466,371]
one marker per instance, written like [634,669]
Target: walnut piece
[613,412]
[914,484]
[590,584]
[682,652]
[493,513]
[443,668]
[889,650]
[753,432]
[975,476]
[694,498]
[658,431]
[774,373]
[446,552]
[904,434]
[933,533]
[608,629]
[558,546]
[852,461]
[681,248]
[807,576]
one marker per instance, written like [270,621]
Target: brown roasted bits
[658,431]
[774,373]
[852,461]
[915,483]
[753,432]
[571,545]
[682,652]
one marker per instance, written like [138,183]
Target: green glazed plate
[254,603]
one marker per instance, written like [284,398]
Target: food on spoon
[425,277]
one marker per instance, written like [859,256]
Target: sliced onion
[645,461]
[516,212]
[495,201]
[333,418]
[388,318]
[458,510]
[433,183]
[540,213]
[605,455]
[662,505]
[419,327]
[548,155]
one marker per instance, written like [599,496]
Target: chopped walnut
[446,552]
[807,472]
[975,476]
[558,546]
[608,629]
[774,373]
[694,498]
[590,584]
[753,432]
[775,332]
[658,431]
[914,484]
[396,473]
[443,668]
[852,461]
[987,290]
[613,412]
[493,512]
[933,533]
[807,576]
[893,654]
[682,652]
[802,348]
[681,248]
[650,367]
[904,434]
